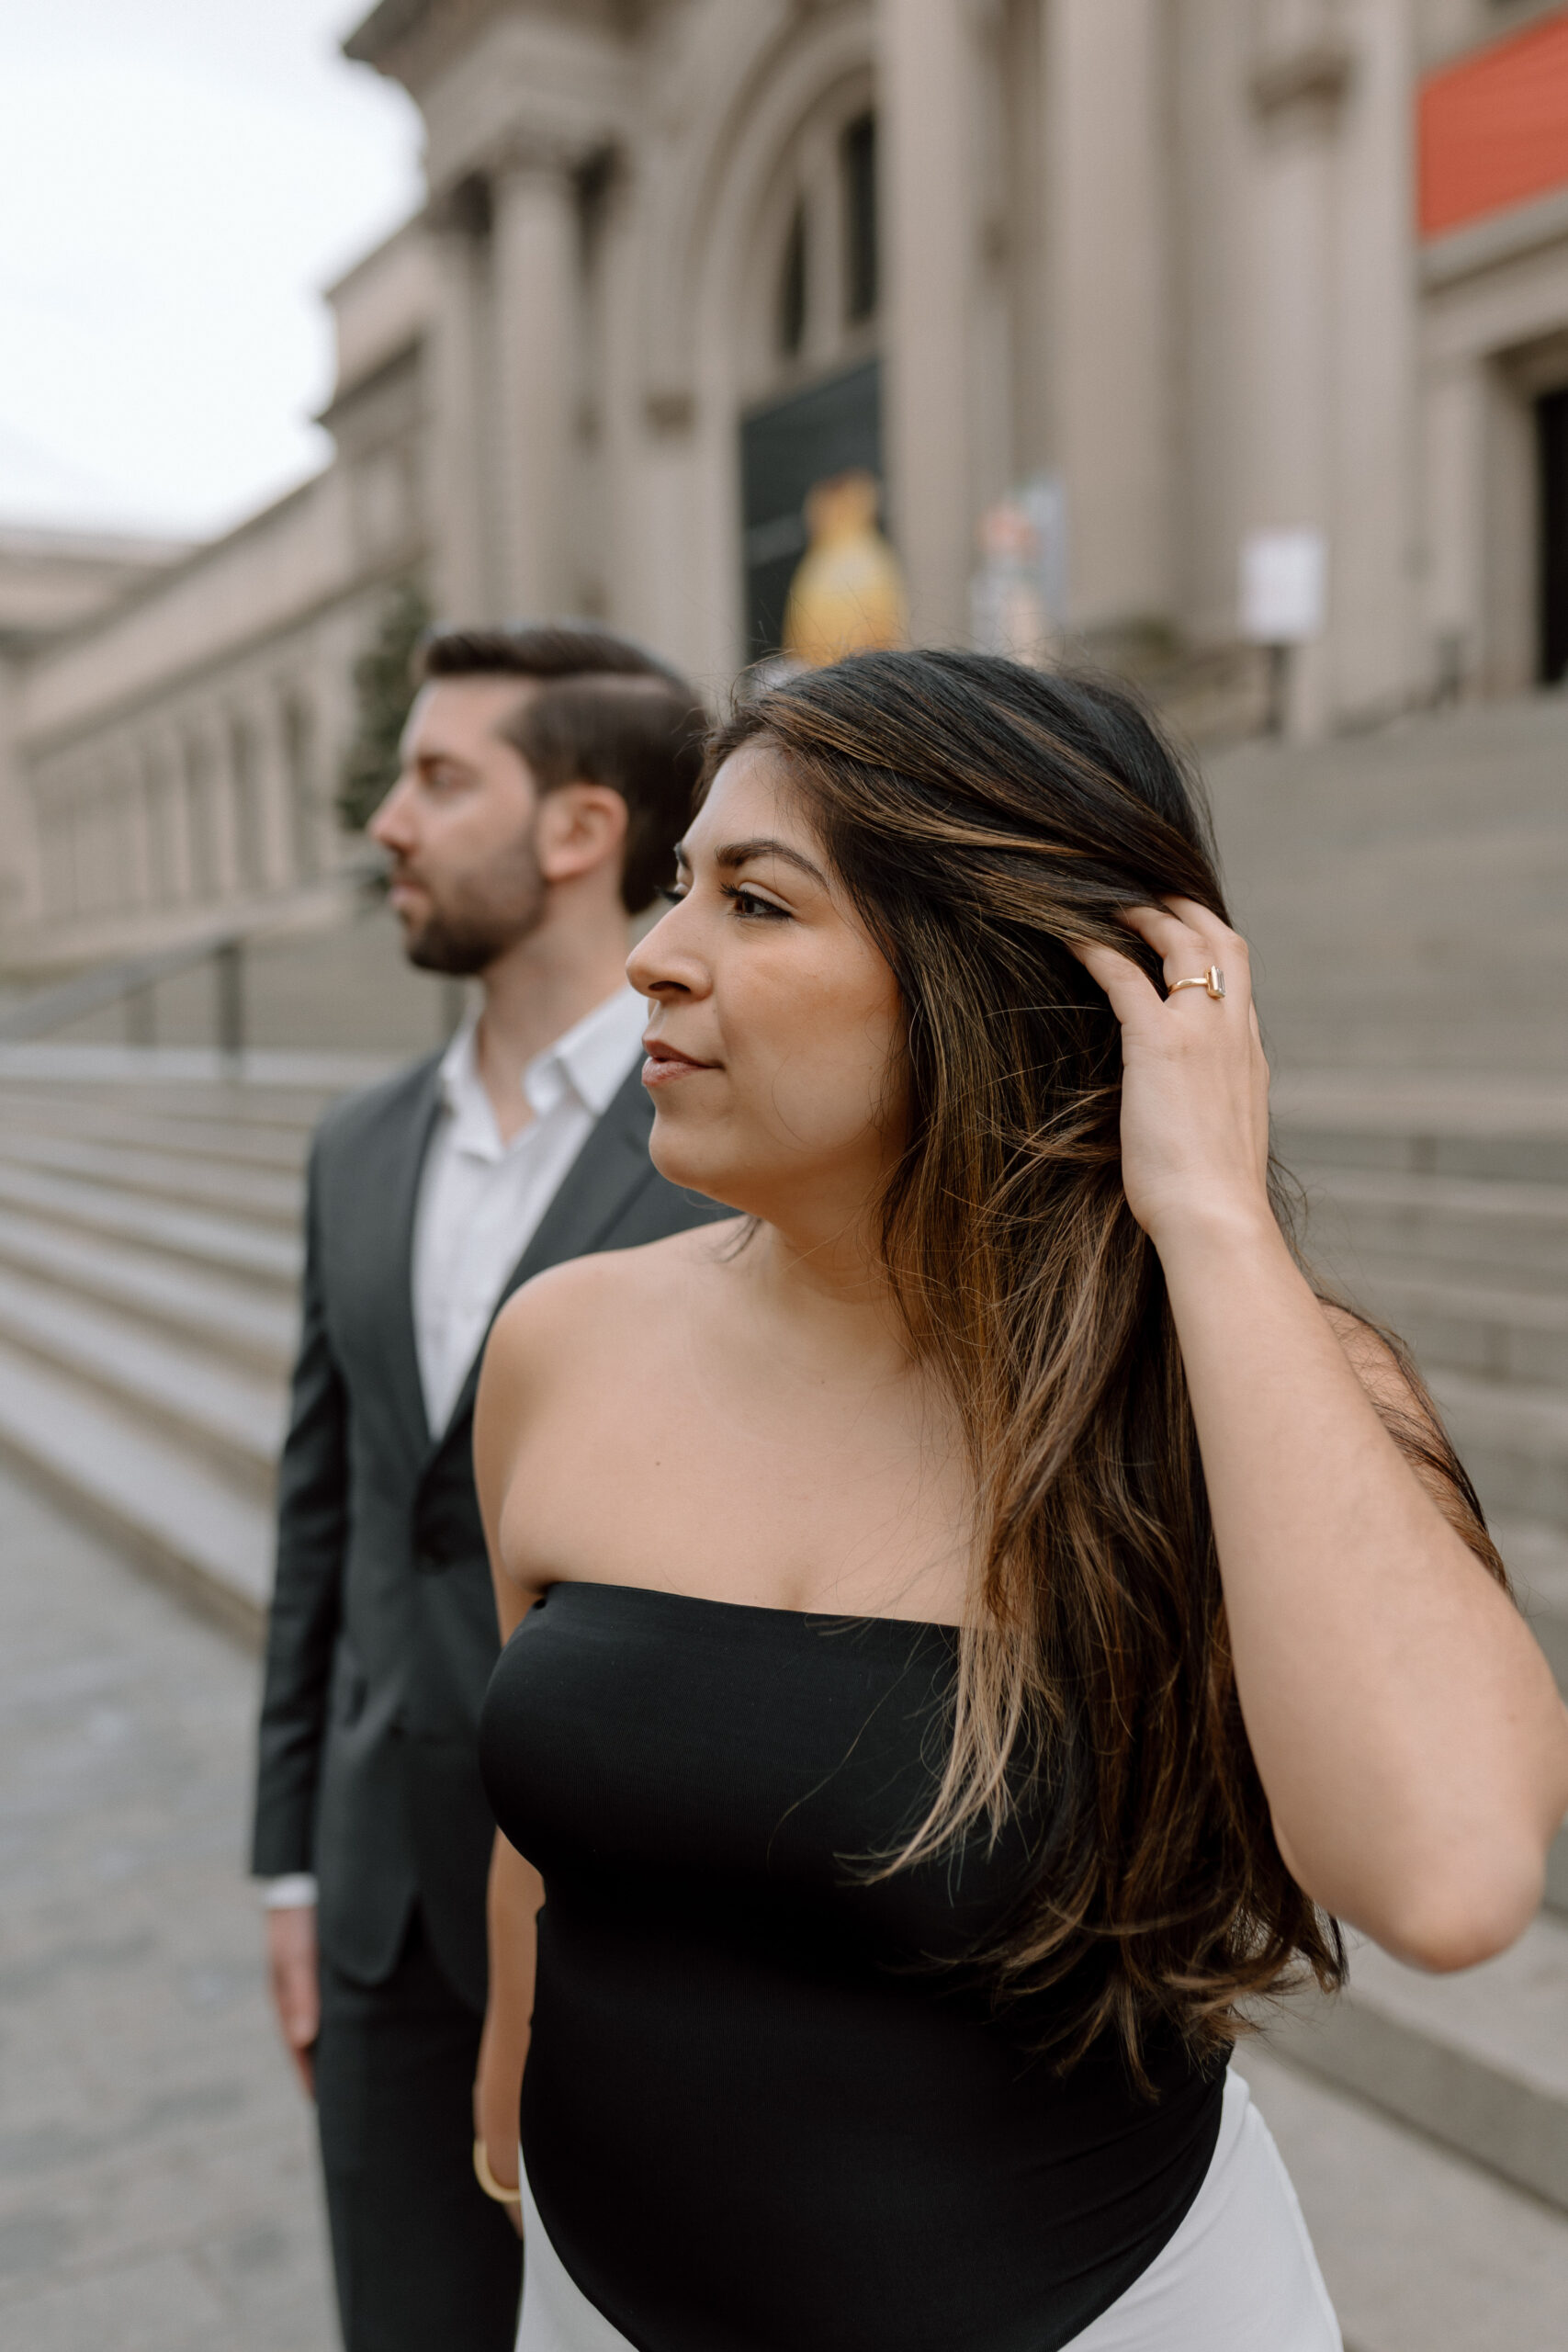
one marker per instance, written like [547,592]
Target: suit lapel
[593,1193]
[398,1196]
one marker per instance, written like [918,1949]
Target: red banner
[1493,127]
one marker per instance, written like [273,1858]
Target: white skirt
[1238,2275]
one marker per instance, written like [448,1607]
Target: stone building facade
[1213,268]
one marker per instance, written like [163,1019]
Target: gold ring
[1213,981]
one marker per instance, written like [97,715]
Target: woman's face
[776,1046]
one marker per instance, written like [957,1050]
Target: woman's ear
[578,828]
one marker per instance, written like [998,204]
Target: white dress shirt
[480,1202]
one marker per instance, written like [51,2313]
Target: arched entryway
[812,374]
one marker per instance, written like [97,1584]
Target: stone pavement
[157,2182]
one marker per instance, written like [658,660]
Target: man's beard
[479,921]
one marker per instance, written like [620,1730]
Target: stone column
[928,111]
[1300,72]
[534,279]
[1108,201]
[1372,331]
[461,585]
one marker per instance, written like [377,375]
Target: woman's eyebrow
[737,854]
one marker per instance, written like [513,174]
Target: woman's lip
[665,1062]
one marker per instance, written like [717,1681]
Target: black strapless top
[762,2110]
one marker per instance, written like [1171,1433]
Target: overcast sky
[179,179]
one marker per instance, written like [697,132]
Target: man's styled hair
[604,712]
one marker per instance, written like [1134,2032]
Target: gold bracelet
[488,2181]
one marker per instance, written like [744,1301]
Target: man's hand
[295,1973]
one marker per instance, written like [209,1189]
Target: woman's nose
[662,964]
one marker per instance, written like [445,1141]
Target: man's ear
[578,828]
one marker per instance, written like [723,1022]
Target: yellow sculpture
[847,594]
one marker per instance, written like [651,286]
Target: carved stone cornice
[378,34]
[541,151]
[465,206]
[409,39]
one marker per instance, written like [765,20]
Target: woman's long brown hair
[984,818]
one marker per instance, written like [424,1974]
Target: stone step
[1419,1123]
[1405,1151]
[245,1252]
[234,1320]
[230,1419]
[1421,2250]
[1366,1222]
[269,1088]
[270,1196]
[1492,1332]
[123,1120]
[177,1519]
[1404,891]
[1513,1441]
[1479,2060]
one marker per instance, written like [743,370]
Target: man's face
[459,826]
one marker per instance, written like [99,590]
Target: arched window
[857,164]
[811,399]
[810,297]
[794,288]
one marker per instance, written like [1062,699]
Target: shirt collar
[591,1061]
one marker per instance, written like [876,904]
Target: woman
[982,1617]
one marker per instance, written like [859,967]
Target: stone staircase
[149,1261]
[1440,1205]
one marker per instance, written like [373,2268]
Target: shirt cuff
[295,1893]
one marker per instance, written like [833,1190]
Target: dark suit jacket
[382,1632]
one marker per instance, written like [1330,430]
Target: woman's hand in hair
[1195,1084]
[1405,1727]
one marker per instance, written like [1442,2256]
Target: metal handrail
[52,1008]
[103,984]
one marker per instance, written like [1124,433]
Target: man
[545,774]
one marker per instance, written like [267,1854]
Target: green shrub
[383,691]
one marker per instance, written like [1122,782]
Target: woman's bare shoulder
[587,1300]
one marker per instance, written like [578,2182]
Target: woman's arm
[515,1894]
[1407,1730]
[515,1891]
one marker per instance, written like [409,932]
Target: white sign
[1284,583]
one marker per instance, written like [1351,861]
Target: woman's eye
[748,906]
[671,892]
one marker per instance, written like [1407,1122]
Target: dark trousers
[425,2262]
